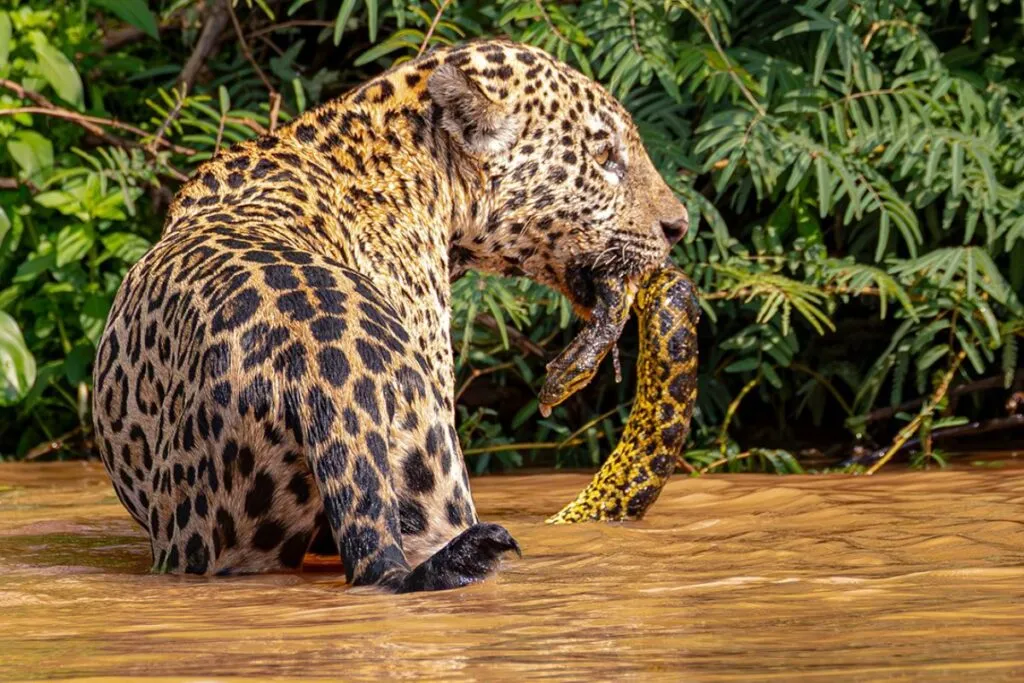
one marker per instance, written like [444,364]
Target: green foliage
[854,174]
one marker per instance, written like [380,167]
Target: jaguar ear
[480,125]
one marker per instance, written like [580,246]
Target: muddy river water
[907,576]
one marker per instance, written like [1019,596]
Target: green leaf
[94,317]
[520,12]
[771,376]
[824,186]
[342,19]
[74,242]
[126,246]
[65,202]
[807,224]
[934,157]
[931,356]
[401,39]
[958,169]
[134,12]
[31,151]
[58,70]
[300,95]
[5,38]
[17,365]
[34,267]
[371,19]
[5,224]
[743,365]
[821,55]
[76,363]
[499,318]
[296,5]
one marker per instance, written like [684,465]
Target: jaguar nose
[675,229]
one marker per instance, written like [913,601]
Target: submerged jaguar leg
[354,479]
[389,463]
[359,490]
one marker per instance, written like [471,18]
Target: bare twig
[572,437]
[26,94]
[14,184]
[927,409]
[800,367]
[877,25]
[49,106]
[209,41]
[515,337]
[275,97]
[52,446]
[271,44]
[723,461]
[275,109]
[705,22]
[532,446]
[248,53]
[551,25]
[744,292]
[179,100]
[249,123]
[970,387]
[632,29]
[476,373]
[296,23]
[121,36]
[433,25]
[972,429]
[681,461]
[723,431]
[92,123]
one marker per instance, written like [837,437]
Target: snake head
[573,369]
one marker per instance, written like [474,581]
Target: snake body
[632,478]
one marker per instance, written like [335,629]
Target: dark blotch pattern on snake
[632,478]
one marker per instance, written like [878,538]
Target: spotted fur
[276,373]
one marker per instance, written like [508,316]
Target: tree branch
[275,97]
[208,43]
[970,387]
[926,410]
[433,25]
[14,184]
[92,123]
[515,337]
[295,23]
[49,106]
[705,22]
[246,51]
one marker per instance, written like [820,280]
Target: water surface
[906,576]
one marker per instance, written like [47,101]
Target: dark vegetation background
[854,173]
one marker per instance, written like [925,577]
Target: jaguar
[276,372]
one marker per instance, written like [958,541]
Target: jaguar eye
[608,160]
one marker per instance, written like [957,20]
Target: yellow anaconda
[634,474]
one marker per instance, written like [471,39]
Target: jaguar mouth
[587,278]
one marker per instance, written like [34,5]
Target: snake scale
[630,480]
